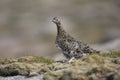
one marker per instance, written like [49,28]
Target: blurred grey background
[26,27]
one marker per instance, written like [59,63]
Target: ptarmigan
[70,47]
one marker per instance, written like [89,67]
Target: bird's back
[69,46]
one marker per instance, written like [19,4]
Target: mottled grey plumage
[68,45]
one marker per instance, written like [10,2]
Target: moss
[111,54]
[19,68]
[13,69]
[94,58]
[28,65]
[116,61]
[94,70]
[7,60]
[35,59]
[91,67]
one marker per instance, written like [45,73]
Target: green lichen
[13,69]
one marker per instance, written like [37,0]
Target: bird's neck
[60,30]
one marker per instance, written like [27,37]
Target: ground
[105,66]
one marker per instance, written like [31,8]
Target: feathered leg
[70,60]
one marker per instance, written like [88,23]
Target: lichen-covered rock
[93,67]
[29,65]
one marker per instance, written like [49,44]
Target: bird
[70,47]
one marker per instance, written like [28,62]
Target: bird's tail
[90,50]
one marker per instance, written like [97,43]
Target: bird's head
[56,20]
